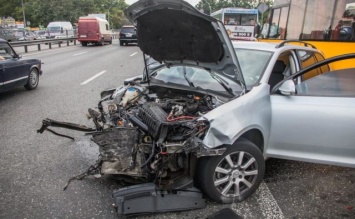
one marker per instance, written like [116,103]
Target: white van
[59,29]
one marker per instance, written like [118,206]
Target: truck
[59,29]
[94,30]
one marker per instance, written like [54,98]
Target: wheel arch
[35,67]
[255,136]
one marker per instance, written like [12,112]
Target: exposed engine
[151,130]
[146,133]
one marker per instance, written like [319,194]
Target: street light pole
[23,13]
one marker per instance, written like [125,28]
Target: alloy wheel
[235,174]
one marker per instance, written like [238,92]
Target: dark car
[128,34]
[15,71]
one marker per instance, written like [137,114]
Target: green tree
[41,12]
[11,8]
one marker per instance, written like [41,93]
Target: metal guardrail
[48,42]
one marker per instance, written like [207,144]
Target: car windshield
[5,51]
[196,77]
[253,63]
[54,29]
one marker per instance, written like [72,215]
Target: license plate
[83,36]
[243,34]
[129,35]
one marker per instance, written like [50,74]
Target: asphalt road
[34,168]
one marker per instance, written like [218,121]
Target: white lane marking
[263,205]
[268,204]
[93,77]
[134,54]
[78,54]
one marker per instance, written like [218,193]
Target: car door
[1,75]
[317,123]
[14,71]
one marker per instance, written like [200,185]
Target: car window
[198,77]
[340,83]
[324,68]
[308,58]
[54,29]
[284,66]
[5,52]
[128,30]
[253,64]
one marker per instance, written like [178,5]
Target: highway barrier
[49,42]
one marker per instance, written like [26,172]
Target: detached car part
[147,198]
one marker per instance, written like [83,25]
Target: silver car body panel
[229,121]
[313,129]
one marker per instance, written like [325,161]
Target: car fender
[231,120]
[36,66]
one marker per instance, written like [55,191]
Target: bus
[328,25]
[240,23]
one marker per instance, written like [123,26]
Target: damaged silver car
[154,128]
[189,120]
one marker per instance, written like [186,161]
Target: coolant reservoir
[131,95]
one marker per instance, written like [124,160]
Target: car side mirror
[17,56]
[288,88]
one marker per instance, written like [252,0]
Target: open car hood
[174,32]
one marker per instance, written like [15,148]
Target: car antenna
[146,68]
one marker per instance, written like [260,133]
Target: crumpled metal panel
[231,120]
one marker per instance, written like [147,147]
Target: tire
[33,79]
[121,43]
[84,44]
[102,42]
[227,178]
[110,42]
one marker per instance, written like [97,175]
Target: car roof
[2,41]
[128,26]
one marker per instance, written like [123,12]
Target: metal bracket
[49,122]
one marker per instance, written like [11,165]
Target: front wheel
[233,176]
[33,79]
